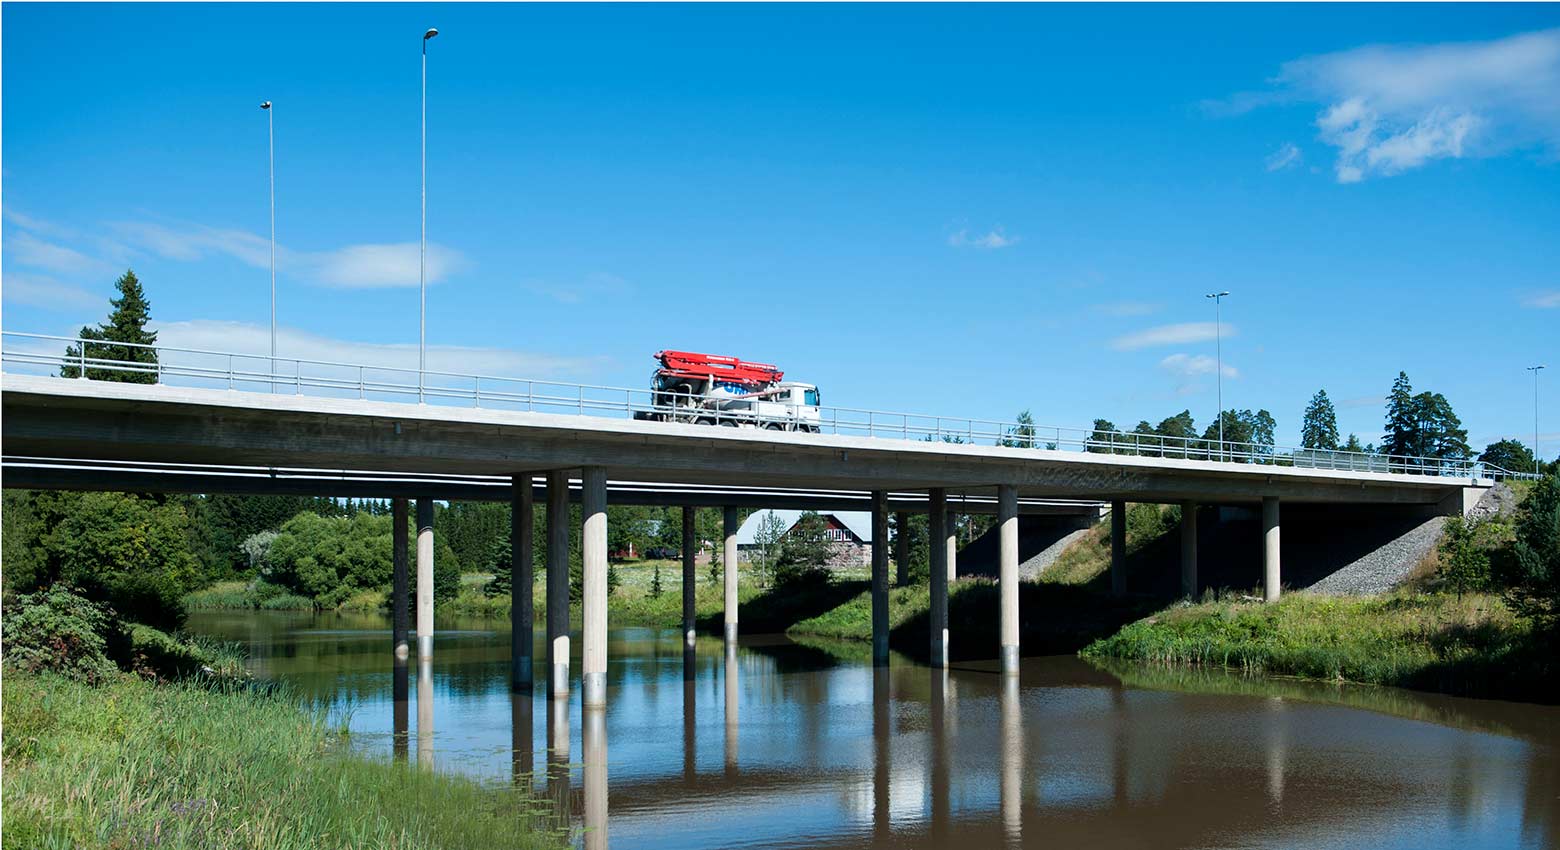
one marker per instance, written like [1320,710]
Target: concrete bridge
[101,435]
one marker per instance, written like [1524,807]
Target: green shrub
[62,631]
[1533,568]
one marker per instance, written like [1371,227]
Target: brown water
[783,745]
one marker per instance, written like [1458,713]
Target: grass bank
[131,763]
[1473,645]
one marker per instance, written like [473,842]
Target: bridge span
[92,434]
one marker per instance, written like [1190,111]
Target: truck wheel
[704,420]
[774,426]
[729,423]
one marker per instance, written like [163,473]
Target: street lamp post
[270,132]
[1537,458]
[1218,363]
[422,249]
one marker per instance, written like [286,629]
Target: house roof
[859,523]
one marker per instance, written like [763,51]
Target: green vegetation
[126,324]
[130,763]
[1472,645]
[1319,425]
[1485,621]
[121,735]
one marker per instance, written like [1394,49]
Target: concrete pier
[522,617]
[729,565]
[1118,547]
[1189,549]
[901,549]
[425,577]
[690,551]
[879,578]
[1270,571]
[951,544]
[593,550]
[938,615]
[1007,574]
[399,605]
[558,583]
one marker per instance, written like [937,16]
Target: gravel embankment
[1389,565]
[1031,569]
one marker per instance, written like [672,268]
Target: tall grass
[245,596]
[133,764]
[1437,642]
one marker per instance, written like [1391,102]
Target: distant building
[850,535]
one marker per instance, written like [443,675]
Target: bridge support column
[593,551]
[522,617]
[398,601]
[425,577]
[951,543]
[938,514]
[730,565]
[1007,574]
[879,578]
[1189,549]
[690,550]
[1118,547]
[1270,572]
[558,583]
[901,549]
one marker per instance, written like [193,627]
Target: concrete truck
[714,389]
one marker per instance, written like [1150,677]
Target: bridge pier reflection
[1012,781]
[558,758]
[732,698]
[882,740]
[425,713]
[937,714]
[522,738]
[593,739]
[689,716]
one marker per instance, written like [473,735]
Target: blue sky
[964,210]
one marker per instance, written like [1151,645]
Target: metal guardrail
[97,360]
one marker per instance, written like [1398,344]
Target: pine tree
[1319,429]
[125,325]
[498,562]
[1402,422]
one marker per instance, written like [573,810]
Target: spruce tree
[1319,429]
[126,325]
[1402,421]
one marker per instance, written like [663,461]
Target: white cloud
[1391,108]
[46,292]
[28,250]
[1195,365]
[38,225]
[1544,300]
[364,266]
[1181,334]
[255,340]
[370,266]
[1287,156]
[992,240]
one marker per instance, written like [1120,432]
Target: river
[785,745]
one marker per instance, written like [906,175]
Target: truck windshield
[812,397]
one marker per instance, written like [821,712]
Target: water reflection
[835,753]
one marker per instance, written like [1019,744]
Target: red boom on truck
[715,389]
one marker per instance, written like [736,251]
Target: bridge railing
[74,358]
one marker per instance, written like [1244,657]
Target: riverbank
[130,763]
[1470,646]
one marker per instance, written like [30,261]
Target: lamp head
[266,105]
[432,31]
